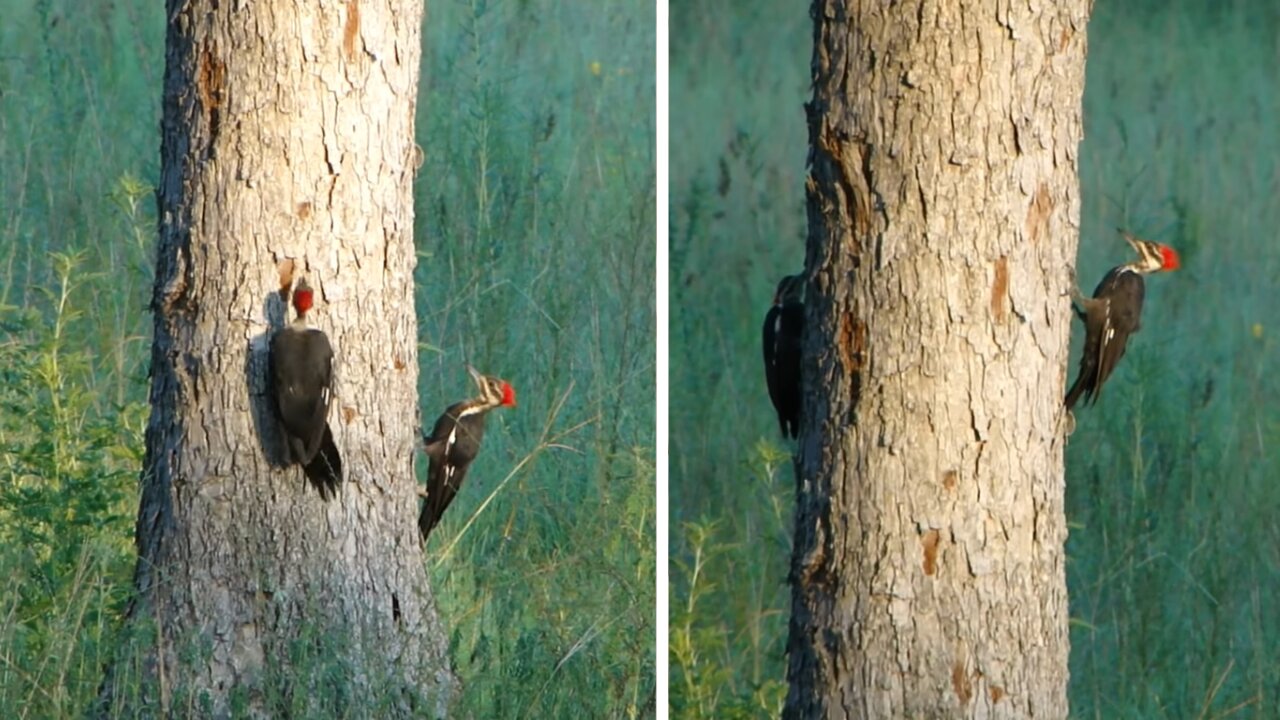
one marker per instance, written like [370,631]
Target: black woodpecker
[783,327]
[1113,314]
[302,384]
[454,443]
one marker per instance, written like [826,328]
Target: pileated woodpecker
[783,326]
[302,383]
[1113,314]
[454,443]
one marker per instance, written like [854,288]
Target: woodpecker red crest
[303,297]
[454,443]
[1114,313]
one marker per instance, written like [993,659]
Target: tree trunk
[943,206]
[288,141]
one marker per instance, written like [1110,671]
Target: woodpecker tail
[1076,391]
[426,520]
[325,469]
[1086,384]
[432,497]
[430,515]
[443,482]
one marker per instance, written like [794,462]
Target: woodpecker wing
[772,320]
[1110,318]
[302,373]
[1125,292]
[783,329]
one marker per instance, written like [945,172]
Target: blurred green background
[1173,479]
[536,229]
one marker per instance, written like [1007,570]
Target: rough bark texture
[943,204]
[287,135]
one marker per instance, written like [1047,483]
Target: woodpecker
[302,383]
[783,326]
[454,443]
[1113,314]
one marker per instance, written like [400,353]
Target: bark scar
[930,542]
[849,165]
[351,30]
[1038,213]
[211,85]
[1000,290]
[961,683]
[811,571]
[852,347]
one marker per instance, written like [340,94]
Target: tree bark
[287,142]
[943,205]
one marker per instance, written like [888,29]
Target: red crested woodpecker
[783,328]
[302,386]
[1113,314]
[454,443]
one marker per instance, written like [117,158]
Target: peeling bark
[287,146]
[943,202]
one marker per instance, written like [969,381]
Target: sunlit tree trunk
[287,140]
[943,202]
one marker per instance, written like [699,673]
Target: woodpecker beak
[1133,241]
[475,375]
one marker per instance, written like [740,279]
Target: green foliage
[67,493]
[535,231]
[736,226]
[1171,489]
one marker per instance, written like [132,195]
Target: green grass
[1172,479]
[535,234]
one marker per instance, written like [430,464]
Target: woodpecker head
[790,291]
[1152,256]
[494,392]
[303,298]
